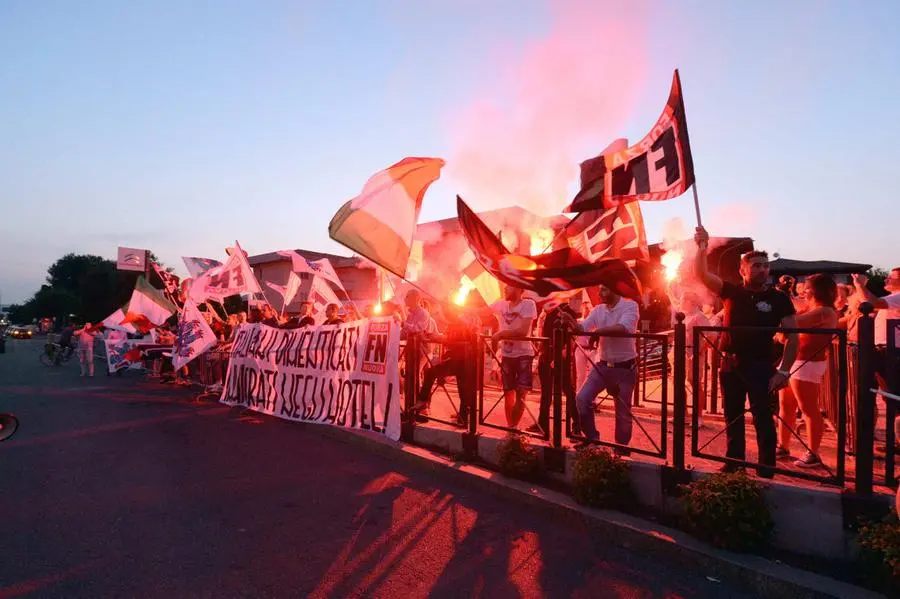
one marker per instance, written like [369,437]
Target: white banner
[344,375]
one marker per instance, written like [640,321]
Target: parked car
[19,333]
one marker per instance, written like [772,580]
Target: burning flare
[541,240]
[377,308]
[465,286]
[671,261]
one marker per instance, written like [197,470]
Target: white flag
[288,292]
[232,278]
[193,338]
[320,295]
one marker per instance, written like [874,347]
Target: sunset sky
[184,126]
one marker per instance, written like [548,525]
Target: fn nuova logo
[375,356]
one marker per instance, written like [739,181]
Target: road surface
[119,487]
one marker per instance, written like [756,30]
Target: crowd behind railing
[545,373]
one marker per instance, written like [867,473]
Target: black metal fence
[674,376]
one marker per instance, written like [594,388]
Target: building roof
[782,266]
[336,261]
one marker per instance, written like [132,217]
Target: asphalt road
[118,487]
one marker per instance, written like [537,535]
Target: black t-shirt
[550,322]
[763,308]
[66,338]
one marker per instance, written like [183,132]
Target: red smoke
[560,101]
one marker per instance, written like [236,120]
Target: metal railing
[746,382]
[645,365]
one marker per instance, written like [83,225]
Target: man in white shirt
[85,337]
[615,368]
[888,308]
[516,316]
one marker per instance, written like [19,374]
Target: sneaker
[534,428]
[810,460]
[781,452]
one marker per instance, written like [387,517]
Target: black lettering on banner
[387,405]
[365,419]
[669,160]
[635,171]
[287,395]
[309,406]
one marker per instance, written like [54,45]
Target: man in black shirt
[546,368]
[461,331]
[748,366]
[65,343]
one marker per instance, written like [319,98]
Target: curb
[767,578]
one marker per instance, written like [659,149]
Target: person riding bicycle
[65,343]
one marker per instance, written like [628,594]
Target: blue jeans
[618,382]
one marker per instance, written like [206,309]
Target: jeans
[618,382]
[740,382]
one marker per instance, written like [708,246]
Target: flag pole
[696,204]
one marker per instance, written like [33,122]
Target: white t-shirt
[614,349]
[515,317]
[695,319]
[883,316]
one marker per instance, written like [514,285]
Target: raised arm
[879,303]
[709,280]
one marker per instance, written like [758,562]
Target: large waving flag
[560,270]
[194,336]
[380,222]
[659,167]
[148,307]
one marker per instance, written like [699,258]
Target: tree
[877,278]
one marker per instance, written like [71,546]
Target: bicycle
[9,424]
[54,354]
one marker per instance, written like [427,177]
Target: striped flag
[380,222]
[147,307]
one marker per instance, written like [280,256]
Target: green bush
[600,479]
[880,542]
[520,460]
[729,510]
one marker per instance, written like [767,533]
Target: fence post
[467,397]
[865,408]
[890,369]
[410,390]
[554,454]
[679,394]
[559,338]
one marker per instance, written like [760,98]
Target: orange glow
[519,262]
[671,261]
[465,286]
[377,308]
[541,240]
